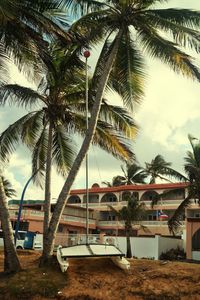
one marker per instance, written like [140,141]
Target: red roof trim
[133,187]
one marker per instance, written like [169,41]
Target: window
[197,215]
[111,218]
[21,235]
[152,217]
[112,199]
[196,241]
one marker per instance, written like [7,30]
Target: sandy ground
[99,278]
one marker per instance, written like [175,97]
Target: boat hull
[91,250]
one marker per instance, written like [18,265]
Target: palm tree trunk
[128,229]
[11,262]
[47,201]
[48,250]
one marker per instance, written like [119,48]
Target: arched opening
[126,196]
[109,197]
[149,196]
[196,241]
[177,194]
[73,200]
[93,198]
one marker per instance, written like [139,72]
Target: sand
[99,278]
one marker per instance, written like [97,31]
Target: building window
[196,241]
[197,215]
[111,218]
[152,217]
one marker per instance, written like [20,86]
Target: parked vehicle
[26,240]
[33,240]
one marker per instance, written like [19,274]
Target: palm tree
[159,168]
[131,214]
[11,262]
[131,26]
[133,174]
[49,130]
[26,27]
[192,169]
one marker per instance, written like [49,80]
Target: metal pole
[86,55]
[21,203]
[20,207]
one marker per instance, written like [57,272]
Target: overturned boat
[91,250]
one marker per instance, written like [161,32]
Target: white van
[20,239]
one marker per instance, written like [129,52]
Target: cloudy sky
[171,110]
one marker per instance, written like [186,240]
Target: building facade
[103,220]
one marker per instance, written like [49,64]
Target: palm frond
[182,35]
[168,52]
[10,138]
[128,75]
[32,129]
[175,221]
[39,155]
[78,7]
[119,118]
[9,191]
[86,31]
[24,96]
[185,17]
[119,180]
[63,150]
[112,141]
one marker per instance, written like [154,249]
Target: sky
[169,112]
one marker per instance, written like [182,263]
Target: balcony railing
[124,203]
[145,223]
[77,219]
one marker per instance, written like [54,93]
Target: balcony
[81,220]
[110,224]
[120,224]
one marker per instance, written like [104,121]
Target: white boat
[121,262]
[91,250]
[64,264]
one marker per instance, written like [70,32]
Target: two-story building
[103,220]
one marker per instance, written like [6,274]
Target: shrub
[173,254]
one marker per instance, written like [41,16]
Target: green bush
[173,254]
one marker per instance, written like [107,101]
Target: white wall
[146,247]
[196,255]
[167,243]
[143,247]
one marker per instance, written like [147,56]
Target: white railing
[78,219]
[36,213]
[76,239]
[14,213]
[111,223]
[145,223]
[124,203]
